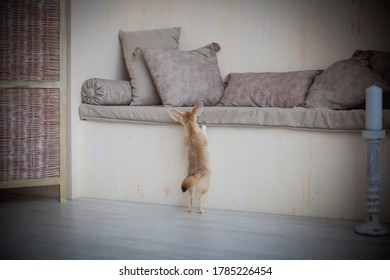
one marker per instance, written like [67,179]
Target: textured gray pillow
[144,90]
[380,64]
[343,84]
[183,78]
[98,91]
[284,90]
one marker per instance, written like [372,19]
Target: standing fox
[198,163]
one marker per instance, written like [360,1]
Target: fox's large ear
[198,108]
[176,115]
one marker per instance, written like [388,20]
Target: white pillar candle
[374,108]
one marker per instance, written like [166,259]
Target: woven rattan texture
[30,40]
[29,134]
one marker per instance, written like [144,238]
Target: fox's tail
[190,181]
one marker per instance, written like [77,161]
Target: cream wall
[255,36]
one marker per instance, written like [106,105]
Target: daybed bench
[311,159]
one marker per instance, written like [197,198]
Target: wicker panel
[29,134]
[30,40]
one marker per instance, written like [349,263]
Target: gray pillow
[144,90]
[183,78]
[343,84]
[98,91]
[380,64]
[284,90]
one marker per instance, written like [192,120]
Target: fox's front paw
[203,128]
[188,210]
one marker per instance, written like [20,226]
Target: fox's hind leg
[191,191]
[203,193]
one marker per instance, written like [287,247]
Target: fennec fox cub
[198,163]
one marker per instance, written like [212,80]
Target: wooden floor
[41,228]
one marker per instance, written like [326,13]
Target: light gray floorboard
[42,228]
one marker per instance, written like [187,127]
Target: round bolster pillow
[96,91]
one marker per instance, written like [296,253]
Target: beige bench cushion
[300,118]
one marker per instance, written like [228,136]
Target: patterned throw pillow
[343,84]
[183,78]
[143,88]
[380,64]
[284,90]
